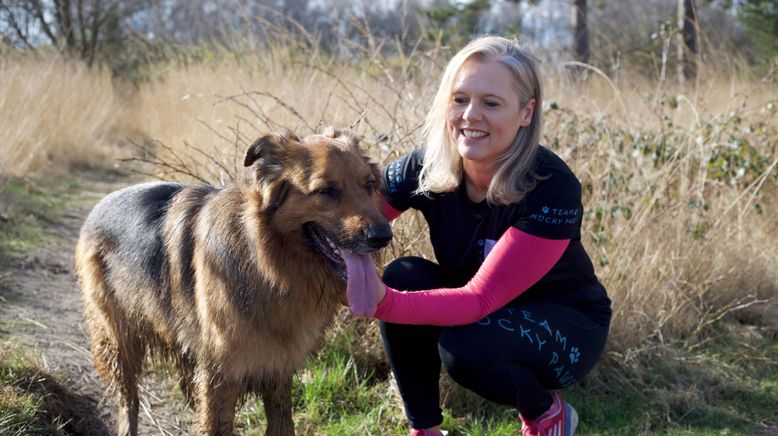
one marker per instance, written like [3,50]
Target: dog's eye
[328,192]
[370,186]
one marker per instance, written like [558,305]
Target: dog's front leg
[276,393]
[215,402]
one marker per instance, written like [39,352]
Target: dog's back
[123,257]
[123,233]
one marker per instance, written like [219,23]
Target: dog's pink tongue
[361,298]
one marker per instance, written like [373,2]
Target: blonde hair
[514,177]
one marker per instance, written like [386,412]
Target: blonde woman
[511,307]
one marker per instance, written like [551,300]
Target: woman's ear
[527,112]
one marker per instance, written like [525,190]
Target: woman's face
[484,113]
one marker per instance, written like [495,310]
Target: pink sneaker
[560,420]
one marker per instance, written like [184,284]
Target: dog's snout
[378,236]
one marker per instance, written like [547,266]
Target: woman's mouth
[472,134]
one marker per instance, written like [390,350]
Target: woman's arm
[387,210]
[517,261]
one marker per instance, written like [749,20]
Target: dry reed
[678,237]
[56,113]
[680,183]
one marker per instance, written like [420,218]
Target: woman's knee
[413,273]
[462,358]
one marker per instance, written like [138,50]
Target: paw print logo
[545,209]
[575,355]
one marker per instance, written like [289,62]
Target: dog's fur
[235,284]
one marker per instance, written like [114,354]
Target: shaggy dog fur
[235,284]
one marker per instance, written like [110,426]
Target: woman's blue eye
[459,100]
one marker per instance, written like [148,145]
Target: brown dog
[236,285]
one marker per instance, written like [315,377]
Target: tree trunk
[581,32]
[687,40]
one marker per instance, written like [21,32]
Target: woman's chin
[472,152]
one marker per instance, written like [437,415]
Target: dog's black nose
[379,236]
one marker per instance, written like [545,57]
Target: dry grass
[680,234]
[224,106]
[680,183]
[679,238]
[55,113]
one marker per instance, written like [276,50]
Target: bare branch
[17,28]
[37,10]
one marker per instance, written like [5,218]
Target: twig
[78,348]
[32,321]
[181,167]
[610,82]
[756,185]
[146,409]
[278,101]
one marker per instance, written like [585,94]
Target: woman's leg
[412,350]
[516,354]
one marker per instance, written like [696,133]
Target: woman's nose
[471,112]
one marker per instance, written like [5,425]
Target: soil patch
[41,309]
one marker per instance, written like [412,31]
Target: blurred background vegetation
[131,35]
[666,110]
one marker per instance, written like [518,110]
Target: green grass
[34,401]
[22,407]
[725,383]
[723,380]
[26,208]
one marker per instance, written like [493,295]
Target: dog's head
[322,189]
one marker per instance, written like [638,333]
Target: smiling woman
[512,307]
[485,115]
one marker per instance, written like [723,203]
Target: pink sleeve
[517,261]
[387,210]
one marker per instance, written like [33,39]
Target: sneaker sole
[571,416]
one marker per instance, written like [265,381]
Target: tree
[453,23]
[82,28]
[761,26]
[581,32]
[688,54]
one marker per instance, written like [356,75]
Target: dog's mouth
[324,245]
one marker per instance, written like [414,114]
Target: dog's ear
[269,148]
[267,155]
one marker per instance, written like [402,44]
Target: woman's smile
[484,112]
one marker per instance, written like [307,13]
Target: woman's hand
[364,289]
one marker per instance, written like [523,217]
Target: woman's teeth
[473,133]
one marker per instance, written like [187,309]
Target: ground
[41,306]
[41,309]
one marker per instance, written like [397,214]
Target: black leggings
[512,356]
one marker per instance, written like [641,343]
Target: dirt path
[40,301]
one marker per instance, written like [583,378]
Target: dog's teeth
[332,245]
